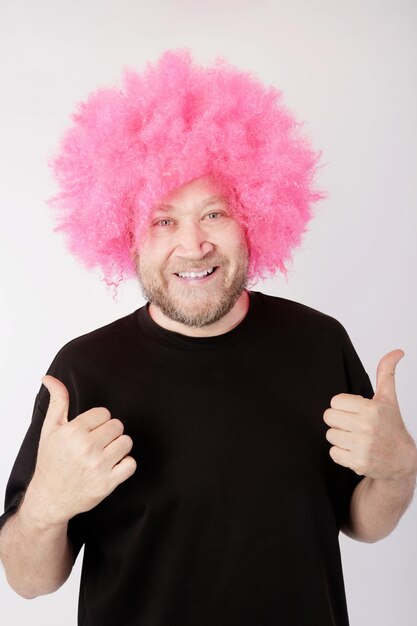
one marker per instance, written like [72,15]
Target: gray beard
[211,313]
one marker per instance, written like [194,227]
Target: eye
[163,222]
[214,215]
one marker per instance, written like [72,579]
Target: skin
[34,547]
[369,436]
[192,230]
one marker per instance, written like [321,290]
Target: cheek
[239,235]
[235,245]
[153,254]
[229,234]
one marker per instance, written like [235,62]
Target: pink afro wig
[175,122]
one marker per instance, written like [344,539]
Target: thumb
[59,401]
[385,376]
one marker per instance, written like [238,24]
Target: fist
[80,462]
[369,436]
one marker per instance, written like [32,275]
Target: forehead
[196,193]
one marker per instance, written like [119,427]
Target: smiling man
[193,263]
[208,448]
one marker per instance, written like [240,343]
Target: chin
[199,314]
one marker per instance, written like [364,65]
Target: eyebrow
[211,200]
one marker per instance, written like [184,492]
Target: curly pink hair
[169,125]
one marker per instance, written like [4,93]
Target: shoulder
[297,317]
[95,355]
[100,342]
[312,336]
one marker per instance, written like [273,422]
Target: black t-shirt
[233,514]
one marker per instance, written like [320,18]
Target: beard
[193,305]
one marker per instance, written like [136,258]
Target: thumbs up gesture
[80,462]
[369,436]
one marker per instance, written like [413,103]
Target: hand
[369,436]
[80,462]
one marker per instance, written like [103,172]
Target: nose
[193,241]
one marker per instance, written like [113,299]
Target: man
[187,444]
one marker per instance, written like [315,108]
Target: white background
[349,70]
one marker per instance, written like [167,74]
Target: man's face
[193,261]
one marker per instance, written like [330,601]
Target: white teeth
[196,274]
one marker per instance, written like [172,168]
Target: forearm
[377,506]
[37,557]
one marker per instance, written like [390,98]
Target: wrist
[405,471]
[37,511]
[396,486]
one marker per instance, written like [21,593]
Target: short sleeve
[357,382]
[357,379]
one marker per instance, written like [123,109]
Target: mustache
[196,266]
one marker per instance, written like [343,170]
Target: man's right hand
[80,462]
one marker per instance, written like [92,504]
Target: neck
[226,323]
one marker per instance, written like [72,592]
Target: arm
[37,556]
[369,436]
[377,506]
[79,463]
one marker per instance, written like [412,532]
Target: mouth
[197,276]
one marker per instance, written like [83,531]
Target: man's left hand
[369,436]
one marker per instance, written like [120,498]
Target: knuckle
[360,468]
[373,449]
[100,411]
[334,401]
[327,414]
[75,426]
[94,463]
[370,427]
[84,447]
[373,410]
[117,425]
[103,412]
[102,489]
[132,465]
[363,445]
[333,453]
[129,467]
[127,441]
[367,428]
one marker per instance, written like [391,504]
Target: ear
[134,255]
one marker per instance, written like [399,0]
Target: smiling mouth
[197,275]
